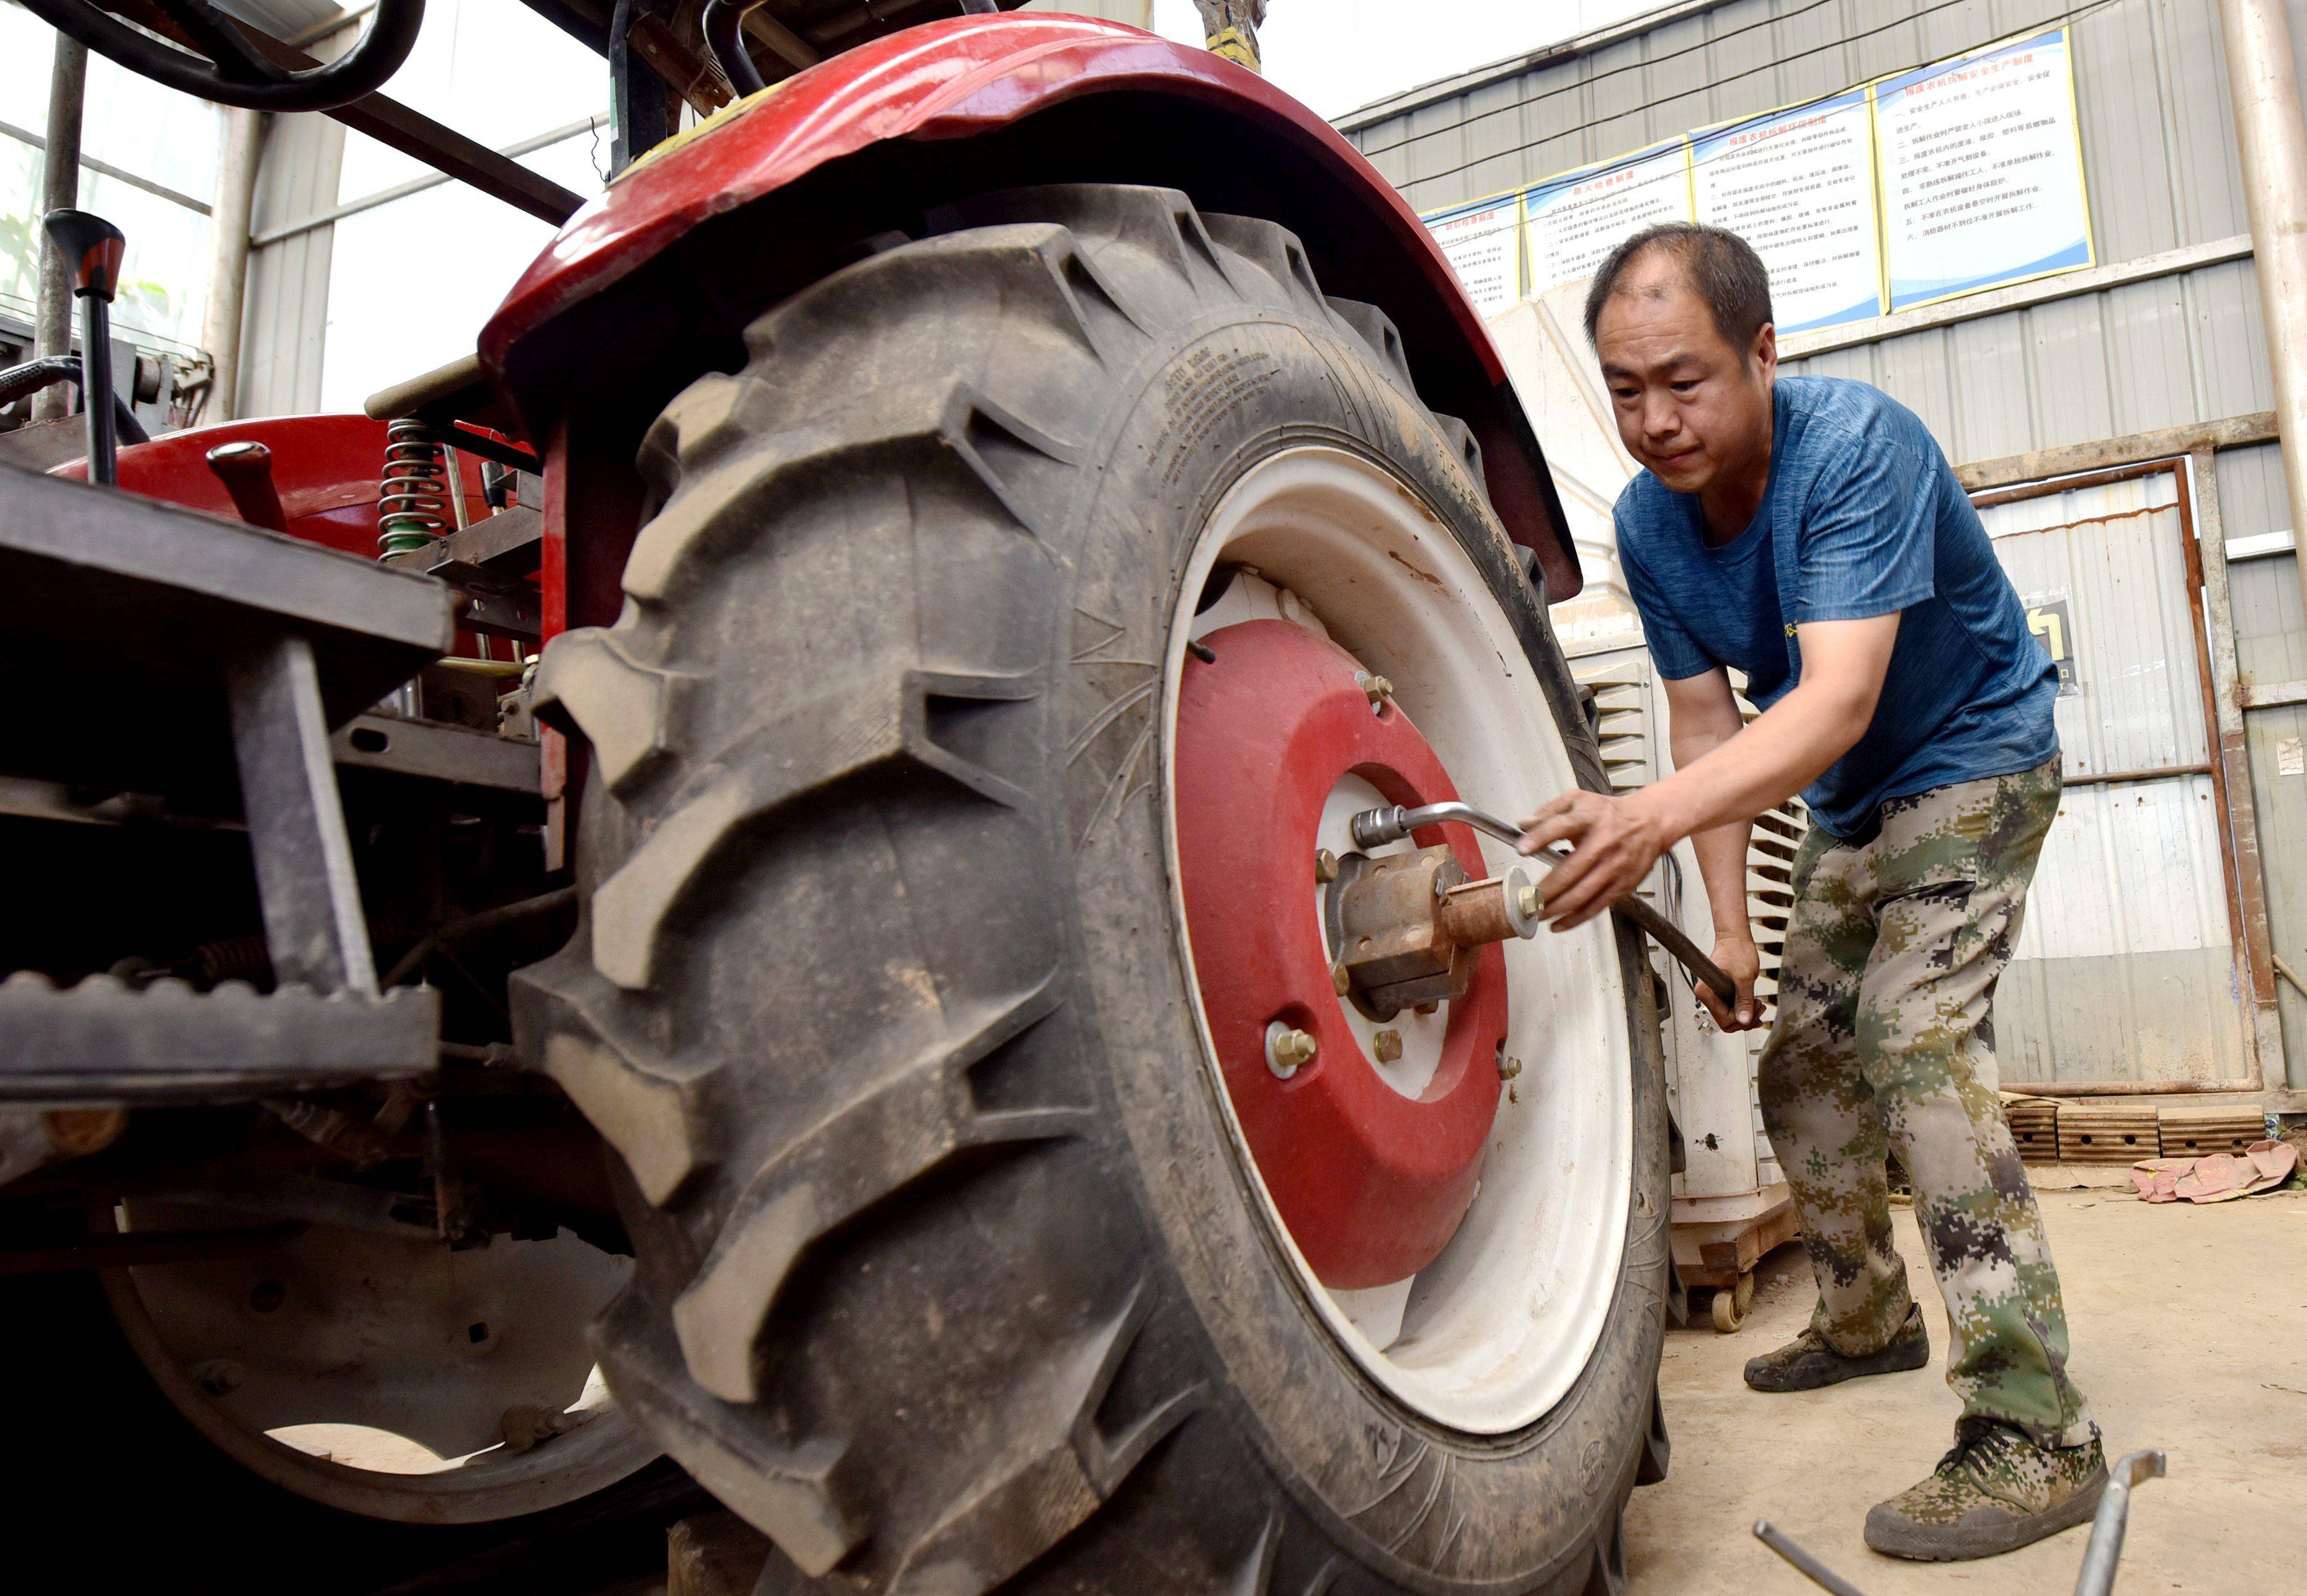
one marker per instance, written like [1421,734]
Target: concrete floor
[2189,1329]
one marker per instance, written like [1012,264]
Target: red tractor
[942,1000]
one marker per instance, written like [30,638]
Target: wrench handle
[1669,936]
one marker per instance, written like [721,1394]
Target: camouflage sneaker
[1995,1492]
[1806,1362]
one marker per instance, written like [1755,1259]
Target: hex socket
[1475,914]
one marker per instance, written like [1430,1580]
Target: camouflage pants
[1883,1039]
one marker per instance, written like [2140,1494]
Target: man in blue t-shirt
[1807,533]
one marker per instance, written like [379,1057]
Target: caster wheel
[1728,1314]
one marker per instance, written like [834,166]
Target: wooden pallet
[2195,1132]
[2035,1127]
[1717,1252]
[2108,1133]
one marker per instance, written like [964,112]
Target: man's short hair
[1722,267]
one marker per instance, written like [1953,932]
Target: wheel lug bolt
[1376,689]
[1508,1067]
[218,1377]
[1326,865]
[1387,1045]
[1531,902]
[1288,1050]
[1340,980]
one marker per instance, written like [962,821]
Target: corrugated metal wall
[2159,152]
[287,300]
[2271,632]
[2126,966]
[2158,141]
[2184,345]
[2190,347]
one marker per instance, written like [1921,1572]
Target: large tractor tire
[961,1265]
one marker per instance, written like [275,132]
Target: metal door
[2129,965]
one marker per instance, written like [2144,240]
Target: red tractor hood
[968,77]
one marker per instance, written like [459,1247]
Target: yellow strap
[729,110]
[1237,46]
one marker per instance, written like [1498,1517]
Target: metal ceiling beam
[437,145]
[445,149]
[396,126]
[791,48]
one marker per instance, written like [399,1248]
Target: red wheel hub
[1372,1184]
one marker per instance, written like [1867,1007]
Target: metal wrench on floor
[2100,1557]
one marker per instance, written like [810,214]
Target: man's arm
[1790,745]
[1703,716]
[1616,840]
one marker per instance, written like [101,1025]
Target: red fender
[778,188]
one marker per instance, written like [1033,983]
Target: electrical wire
[2073,13]
[1674,894]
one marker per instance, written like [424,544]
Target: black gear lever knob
[93,246]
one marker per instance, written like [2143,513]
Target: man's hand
[1614,842]
[1736,953]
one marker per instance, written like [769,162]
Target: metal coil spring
[234,958]
[412,504]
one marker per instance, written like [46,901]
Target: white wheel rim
[371,1374]
[1492,1334]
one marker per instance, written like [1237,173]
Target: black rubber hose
[458,932]
[19,381]
[241,77]
[725,36]
[22,382]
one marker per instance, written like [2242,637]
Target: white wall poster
[1798,185]
[1478,242]
[1982,171]
[1574,221]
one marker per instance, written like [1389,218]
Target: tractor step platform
[104,1041]
[118,614]
[155,650]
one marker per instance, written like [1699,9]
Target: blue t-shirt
[1862,517]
